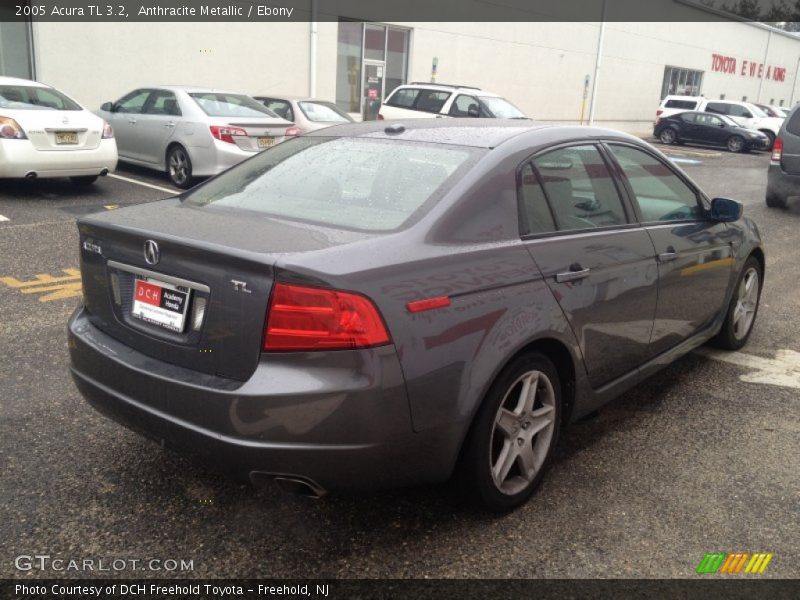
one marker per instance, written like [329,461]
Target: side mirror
[473,111]
[107,106]
[726,210]
[721,125]
[747,114]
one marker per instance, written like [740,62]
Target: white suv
[429,100]
[744,113]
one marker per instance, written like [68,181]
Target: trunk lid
[261,133]
[220,258]
[59,130]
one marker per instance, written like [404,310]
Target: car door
[687,124]
[695,258]
[124,119]
[156,125]
[790,134]
[710,129]
[599,264]
[465,105]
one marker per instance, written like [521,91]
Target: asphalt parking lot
[700,458]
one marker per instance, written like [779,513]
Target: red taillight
[10,129]
[777,150]
[658,113]
[380,117]
[292,131]
[225,133]
[309,318]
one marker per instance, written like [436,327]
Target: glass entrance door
[372,90]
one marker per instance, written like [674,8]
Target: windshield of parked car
[728,121]
[216,104]
[757,112]
[29,97]
[323,112]
[501,108]
[352,183]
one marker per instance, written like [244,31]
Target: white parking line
[783,370]
[144,184]
[2,218]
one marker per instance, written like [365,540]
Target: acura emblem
[151,253]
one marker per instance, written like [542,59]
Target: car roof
[191,89]
[292,98]
[475,91]
[19,81]
[476,133]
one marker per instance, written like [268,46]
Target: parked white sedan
[44,133]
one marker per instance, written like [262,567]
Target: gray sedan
[373,305]
[306,113]
[191,132]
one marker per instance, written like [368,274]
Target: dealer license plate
[66,137]
[265,142]
[160,303]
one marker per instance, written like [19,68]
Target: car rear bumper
[219,156]
[339,420]
[780,183]
[19,158]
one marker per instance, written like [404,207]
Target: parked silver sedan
[191,132]
[306,113]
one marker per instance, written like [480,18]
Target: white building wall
[539,66]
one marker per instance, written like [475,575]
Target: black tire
[736,143]
[179,167]
[489,441]
[84,180]
[774,201]
[668,136]
[731,336]
[770,137]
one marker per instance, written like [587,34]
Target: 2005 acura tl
[373,306]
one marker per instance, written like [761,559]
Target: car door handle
[573,274]
[132,121]
[170,124]
[667,256]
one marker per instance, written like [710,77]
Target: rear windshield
[230,105]
[680,104]
[351,183]
[323,112]
[28,97]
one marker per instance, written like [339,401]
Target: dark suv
[783,180]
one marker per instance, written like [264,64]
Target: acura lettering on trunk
[369,306]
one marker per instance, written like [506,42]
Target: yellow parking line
[51,288]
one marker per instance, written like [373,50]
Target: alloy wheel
[522,433]
[667,136]
[735,144]
[744,311]
[178,166]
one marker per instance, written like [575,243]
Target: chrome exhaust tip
[31,175]
[291,484]
[104,172]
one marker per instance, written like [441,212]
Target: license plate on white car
[265,142]
[66,137]
[160,303]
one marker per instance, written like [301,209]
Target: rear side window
[718,107]
[684,104]
[282,108]
[579,188]
[659,192]
[431,100]
[687,117]
[217,104]
[793,124]
[462,104]
[403,98]
[162,102]
[351,183]
[536,214]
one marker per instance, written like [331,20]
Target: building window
[681,82]
[372,60]
[781,104]
[722,96]
[16,56]
[744,98]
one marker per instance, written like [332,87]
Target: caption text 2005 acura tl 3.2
[372,305]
